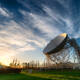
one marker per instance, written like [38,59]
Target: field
[46,75]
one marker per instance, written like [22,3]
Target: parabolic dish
[56,44]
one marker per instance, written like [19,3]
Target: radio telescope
[62,49]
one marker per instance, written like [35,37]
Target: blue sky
[26,26]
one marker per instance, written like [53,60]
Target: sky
[26,26]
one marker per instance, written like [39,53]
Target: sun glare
[5,60]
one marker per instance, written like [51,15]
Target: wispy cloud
[64,22]
[43,24]
[19,39]
[54,23]
[4,12]
[26,48]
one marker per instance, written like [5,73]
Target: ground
[46,75]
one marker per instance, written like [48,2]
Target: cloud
[43,24]
[26,48]
[17,39]
[62,21]
[7,51]
[4,12]
[53,23]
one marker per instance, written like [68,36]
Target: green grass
[19,77]
[48,75]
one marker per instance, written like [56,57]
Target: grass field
[49,75]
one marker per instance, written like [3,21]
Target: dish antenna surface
[56,44]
